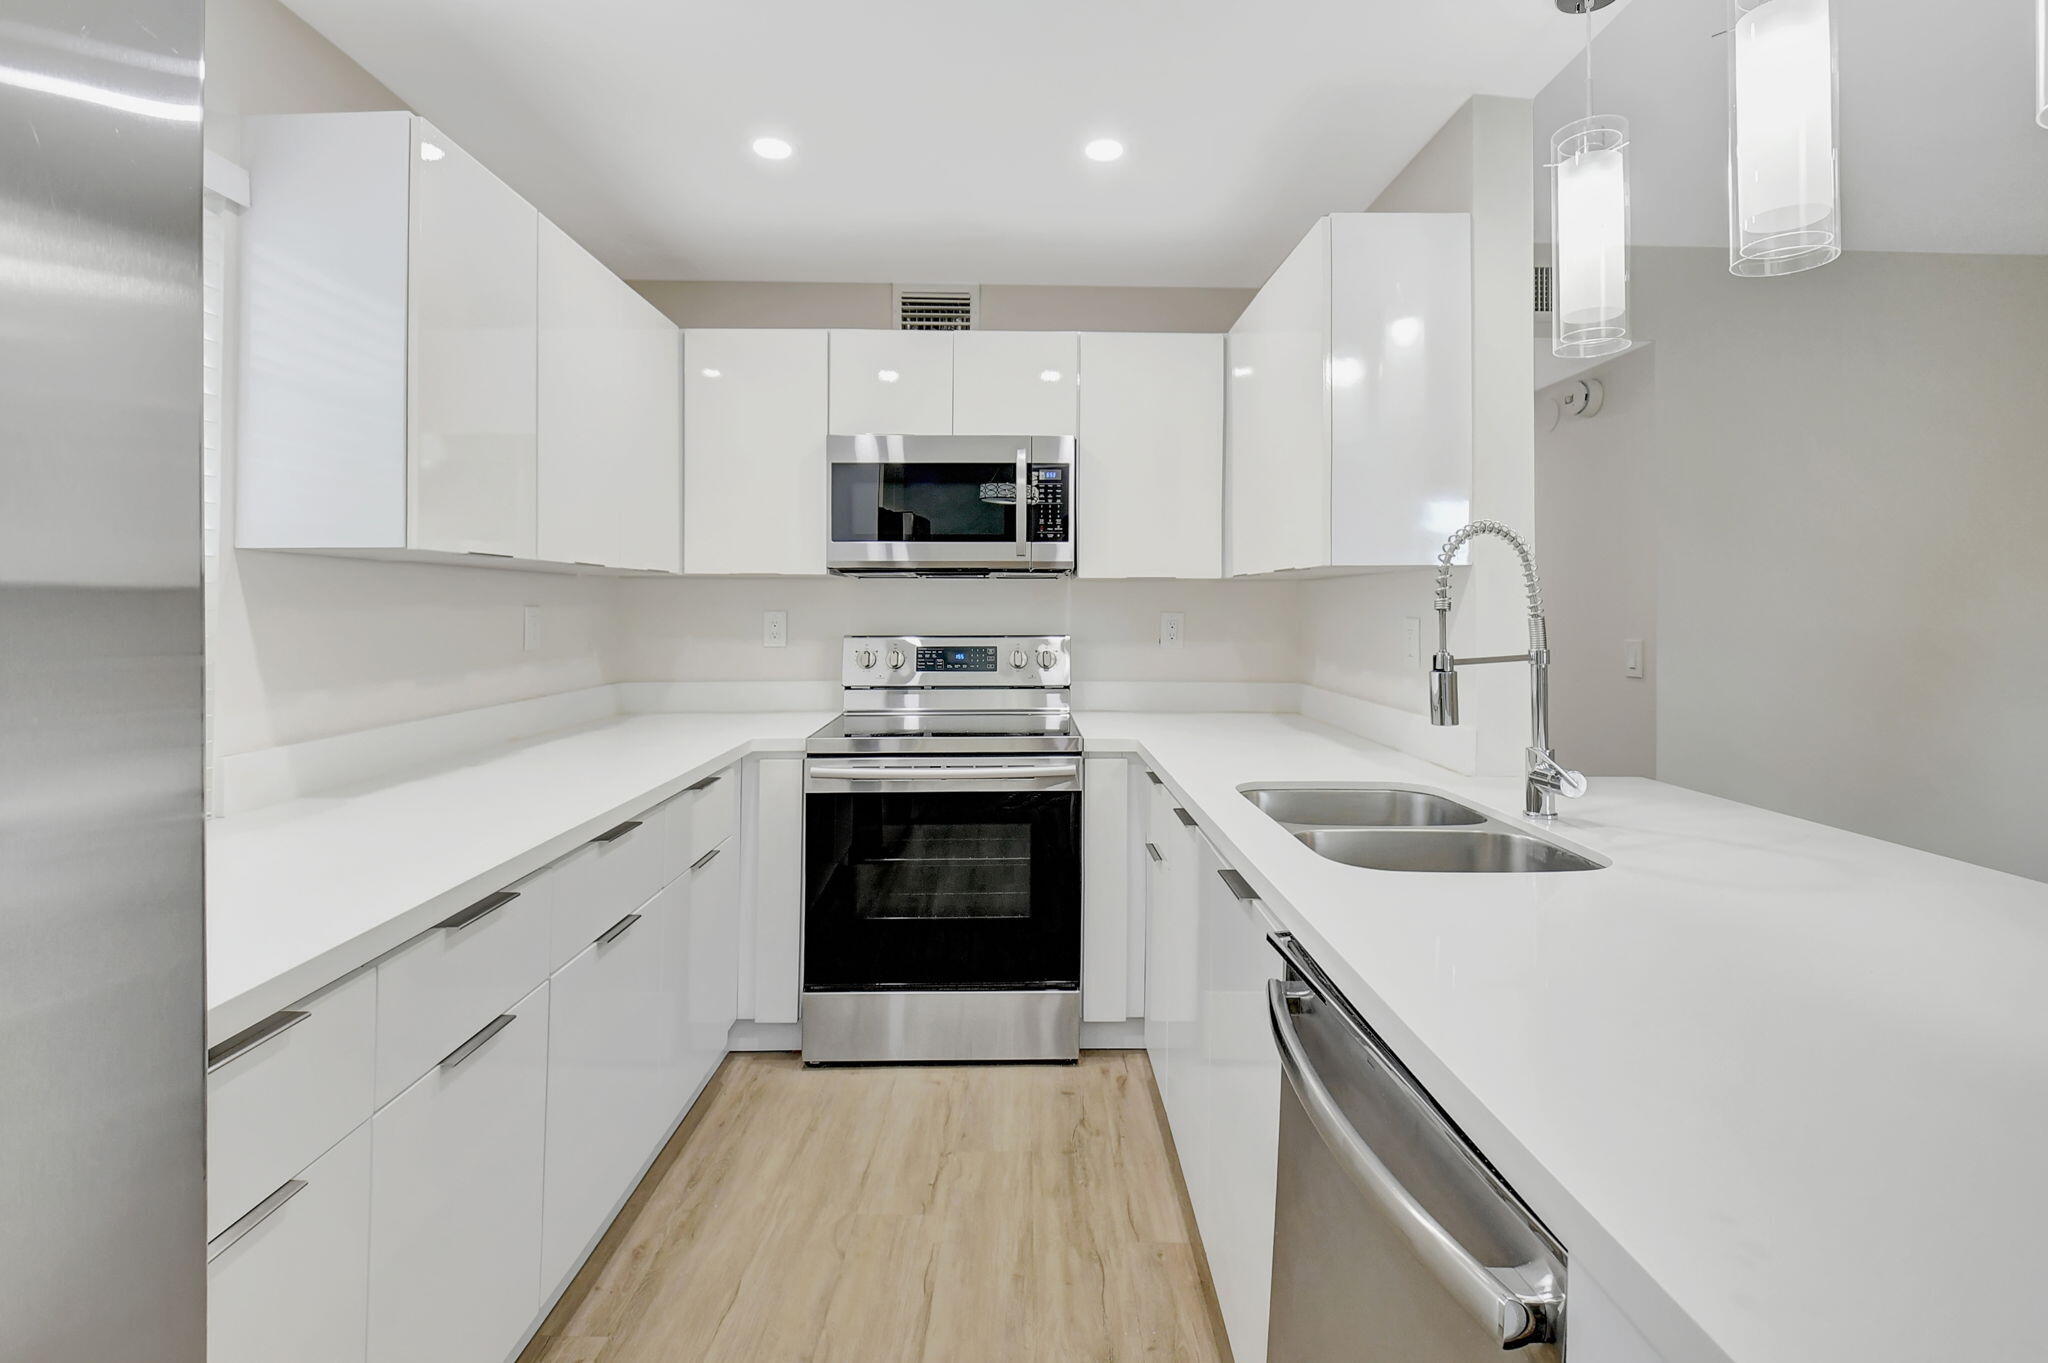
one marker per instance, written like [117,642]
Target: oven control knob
[864,657]
[1017,658]
[1048,658]
[896,659]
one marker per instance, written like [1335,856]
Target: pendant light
[1784,189]
[1589,224]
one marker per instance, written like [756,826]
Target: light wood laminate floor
[949,1214]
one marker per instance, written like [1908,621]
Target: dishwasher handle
[1516,1318]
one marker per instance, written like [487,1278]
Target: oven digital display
[967,659]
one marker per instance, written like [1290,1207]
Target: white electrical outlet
[1632,656]
[1172,624]
[530,628]
[775,629]
[1411,641]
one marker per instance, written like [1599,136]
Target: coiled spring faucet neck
[1539,634]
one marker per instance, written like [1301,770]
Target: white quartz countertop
[1783,1088]
[1780,1088]
[301,893]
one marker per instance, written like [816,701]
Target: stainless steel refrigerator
[102,1220]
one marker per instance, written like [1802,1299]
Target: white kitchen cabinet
[455,1199]
[283,1091]
[1015,382]
[1151,435]
[1105,890]
[392,395]
[604,880]
[773,983]
[708,940]
[1350,398]
[610,1089]
[892,383]
[295,1286]
[1171,981]
[610,417]
[754,471]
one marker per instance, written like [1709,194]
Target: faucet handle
[1570,784]
[1563,780]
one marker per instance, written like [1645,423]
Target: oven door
[942,873]
[951,504]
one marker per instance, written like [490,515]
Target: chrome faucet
[1547,780]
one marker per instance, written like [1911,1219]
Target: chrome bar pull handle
[615,833]
[249,1038]
[261,1212]
[701,862]
[618,930]
[1153,852]
[1239,886]
[477,1042]
[1187,819]
[705,784]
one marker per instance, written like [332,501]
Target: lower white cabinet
[1105,891]
[610,1088]
[773,968]
[292,1289]
[455,1199]
[1170,947]
[704,957]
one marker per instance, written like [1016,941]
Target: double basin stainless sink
[1400,828]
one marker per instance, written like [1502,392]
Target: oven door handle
[1023,502]
[1065,771]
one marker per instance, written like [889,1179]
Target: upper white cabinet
[610,424]
[1350,398]
[1015,382]
[421,379]
[471,318]
[1151,436]
[892,383]
[754,414]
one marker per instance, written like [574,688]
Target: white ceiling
[1939,148]
[939,140]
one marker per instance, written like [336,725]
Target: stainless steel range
[942,850]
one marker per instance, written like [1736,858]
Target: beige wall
[1352,626]
[263,59]
[1004,307]
[1851,471]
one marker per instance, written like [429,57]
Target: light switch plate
[1411,641]
[1632,656]
[775,629]
[529,626]
[1172,625]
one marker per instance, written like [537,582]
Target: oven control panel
[955,662]
[1050,486]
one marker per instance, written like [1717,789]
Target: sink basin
[1360,807]
[1472,850]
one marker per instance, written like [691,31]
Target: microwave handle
[1023,502]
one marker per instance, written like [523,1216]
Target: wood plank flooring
[937,1214]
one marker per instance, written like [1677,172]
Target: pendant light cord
[1589,56]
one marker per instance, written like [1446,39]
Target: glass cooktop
[951,732]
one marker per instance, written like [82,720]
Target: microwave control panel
[1050,485]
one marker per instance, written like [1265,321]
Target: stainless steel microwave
[951,505]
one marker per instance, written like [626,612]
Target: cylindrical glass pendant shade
[1784,199]
[1589,238]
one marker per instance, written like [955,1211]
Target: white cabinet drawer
[611,1067]
[434,992]
[455,1196]
[293,1285]
[603,881]
[280,1093]
[704,952]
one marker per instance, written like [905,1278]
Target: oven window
[924,503]
[942,890]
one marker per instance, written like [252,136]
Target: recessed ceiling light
[887,375]
[1103,149]
[1048,376]
[772,149]
[709,373]
[430,152]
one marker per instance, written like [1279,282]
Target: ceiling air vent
[935,307]
[1543,291]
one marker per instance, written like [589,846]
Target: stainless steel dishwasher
[1394,1241]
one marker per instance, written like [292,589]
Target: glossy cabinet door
[772,980]
[295,1287]
[1171,982]
[455,1200]
[610,417]
[472,298]
[1151,435]
[892,383]
[610,1085]
[754,475]
[1238,1106]
[1105,890]
[710,965]
[1279,405]
[1015,383]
